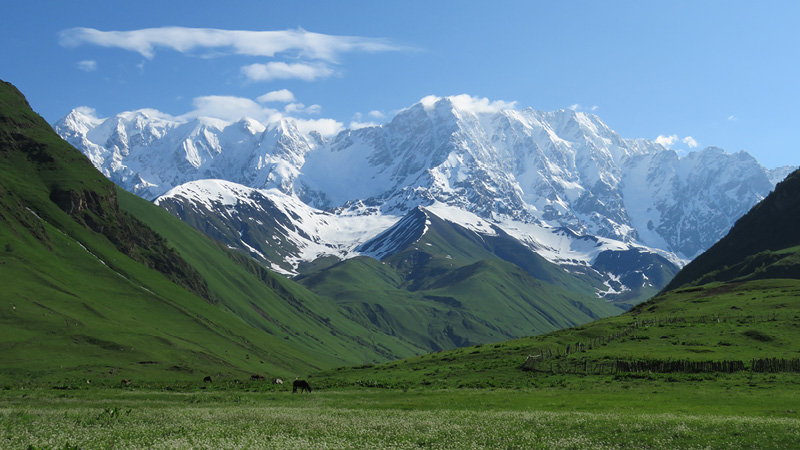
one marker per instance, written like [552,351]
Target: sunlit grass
[350,420]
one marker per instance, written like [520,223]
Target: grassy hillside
[451,289]
[268,301]
[91,292]
[719,322]
[81,295]
[732,311]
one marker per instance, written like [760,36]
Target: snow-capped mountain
[274,227]
[148,154]
[288,235]
[562,182]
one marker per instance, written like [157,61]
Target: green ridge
[91,292]
[716,322]
[451,289]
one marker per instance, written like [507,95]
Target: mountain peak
[251,126]
[465,103]
[560,168]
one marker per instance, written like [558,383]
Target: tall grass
[371,419]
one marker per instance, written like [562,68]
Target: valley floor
[563,412]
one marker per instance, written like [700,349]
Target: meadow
[477,397]
[563,412]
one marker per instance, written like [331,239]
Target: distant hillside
[732,310]
[441,286]
[685,335]
[762,244]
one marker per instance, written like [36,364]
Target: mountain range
[561,183]
[101,284]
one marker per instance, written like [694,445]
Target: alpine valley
[448,188]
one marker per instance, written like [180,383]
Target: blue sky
[702,73]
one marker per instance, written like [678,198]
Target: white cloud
[358,121]
[667,141]
[731,117]
[156,113]
[87,111]
[480,105]
[230,109]
[577,107]
[281,96]
[429,100]
[300,42]
[469,103]
[325,127]
[233,109]
[87,65]
[293,108]
[283,71]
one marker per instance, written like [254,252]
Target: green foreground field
[565,412]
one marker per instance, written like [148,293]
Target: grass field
[718,322]
[564,413]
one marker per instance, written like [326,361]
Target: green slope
[81,294]
[91,292]
[268,301]
[449,288]
[735,311]
[753,320]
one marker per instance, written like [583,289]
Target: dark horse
[302,385]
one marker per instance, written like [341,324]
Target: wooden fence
[556,361]
[763,365]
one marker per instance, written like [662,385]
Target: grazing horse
[302,385]
[207,379]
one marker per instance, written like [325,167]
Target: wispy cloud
[314,52]
[671,140]
[281,96]
[278,70]
[295,108]
[666,141]
[469,103]
[577,107]
[87,65]
[325,127]
[232,108]
[358,119]
[732,117]
[253,43]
